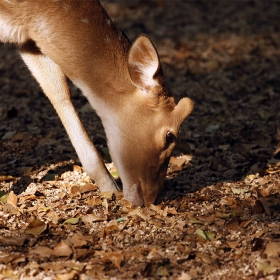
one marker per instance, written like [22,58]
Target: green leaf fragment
[200,233]
[9,135]
[198,222]
[210,235]
[121,219]
[205,235]
[72,221]
[49,177]
[115,174]
[3,196]
[212,128]
[162,271]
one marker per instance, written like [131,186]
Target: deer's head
[146,126]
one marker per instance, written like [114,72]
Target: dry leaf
[154,255]
[156,222]
[126,203]
[12,199]
[62,249]
[36,227]
[106,195]
[233,244]
[133,254]
[91,218]
[265,203]
[4,178]
[272,249]
[266,268]
[19,260]
[74,190]
[77,168]
[67,276]
[95,200]
[77,240]
[232,224]
[115,257]
[112,229]
[179,161]
[119,195]
[27,198]
[258,207]
[171,210]
[88,188]
[53,217]
[180,225]
[206,259]
[138,213]
[156,208]
[8,274]
[275,262]
[258,234]
[42,251]
[222,215]
[105,205]
[13,241]
[245,223]
[264,192]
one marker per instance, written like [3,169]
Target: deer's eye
[170,138]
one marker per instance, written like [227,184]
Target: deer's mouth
[134,194]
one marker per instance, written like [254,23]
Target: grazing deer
[123,83]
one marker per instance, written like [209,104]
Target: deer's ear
[183,109]
[143,63]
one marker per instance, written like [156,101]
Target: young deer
[123,83]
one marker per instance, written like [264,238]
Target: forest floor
[218,216]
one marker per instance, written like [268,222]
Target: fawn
[124,84]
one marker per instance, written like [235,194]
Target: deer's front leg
[54,84]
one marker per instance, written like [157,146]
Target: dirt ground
[218,216]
